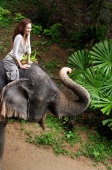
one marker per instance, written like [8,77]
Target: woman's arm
[28,53]
[28,59]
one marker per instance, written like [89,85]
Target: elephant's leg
[2,126]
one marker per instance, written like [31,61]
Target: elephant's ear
[14,99]
[26,84]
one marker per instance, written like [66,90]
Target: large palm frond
[79,60]
[93,80]
[104,104]
[101,55]
[107,84]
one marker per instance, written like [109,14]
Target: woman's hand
[25,66]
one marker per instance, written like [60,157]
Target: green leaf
[104,122]
[79,60]
[107,109]
[101,55]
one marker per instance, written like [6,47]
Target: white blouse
[19,49]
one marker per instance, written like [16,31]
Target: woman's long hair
[20,27]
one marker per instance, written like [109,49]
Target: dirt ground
[20,155]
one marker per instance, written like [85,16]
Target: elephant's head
[29,100]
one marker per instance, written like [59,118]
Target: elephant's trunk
[72,108]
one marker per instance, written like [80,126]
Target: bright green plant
[79,60]
[33,57]
[19,17]
[4,17]
[101,55]
[36,29]
[53,31]
[93,70]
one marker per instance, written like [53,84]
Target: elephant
[34,94]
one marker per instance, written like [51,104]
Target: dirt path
[19,155]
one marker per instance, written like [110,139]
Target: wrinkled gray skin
[31,97]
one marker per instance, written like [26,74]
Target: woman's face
[27,29]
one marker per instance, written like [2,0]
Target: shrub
[93,70]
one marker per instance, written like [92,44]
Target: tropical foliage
[93,70]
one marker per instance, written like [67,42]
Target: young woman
[21,46]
